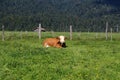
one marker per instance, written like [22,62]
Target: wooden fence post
[70,32]
[79,35]
[117,30]
[21,34]
[96,35]
[88,32]
[106,31]
[111,33]
[52,32]
[3,35]
[39,32]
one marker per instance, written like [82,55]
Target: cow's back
[50,42]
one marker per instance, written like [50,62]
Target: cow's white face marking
[62,39]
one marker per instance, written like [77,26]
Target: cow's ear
[58,38]
[65,37]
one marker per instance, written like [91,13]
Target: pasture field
[22,57]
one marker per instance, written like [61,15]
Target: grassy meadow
[87,57]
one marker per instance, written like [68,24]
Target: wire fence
[70,34]
[20,35]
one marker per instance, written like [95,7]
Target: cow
[57,42]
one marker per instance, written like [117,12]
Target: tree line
[58,15]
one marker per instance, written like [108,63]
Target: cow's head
[61,38]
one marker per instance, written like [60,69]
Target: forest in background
[58,15]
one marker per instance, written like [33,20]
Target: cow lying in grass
[57,42]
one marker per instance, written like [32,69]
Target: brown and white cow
[57,42]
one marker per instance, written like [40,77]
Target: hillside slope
[57,14]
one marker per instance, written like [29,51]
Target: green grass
[85,58]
